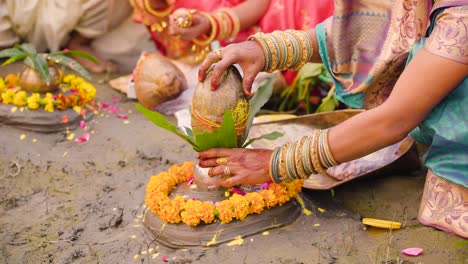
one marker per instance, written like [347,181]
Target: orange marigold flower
[191,215]
[280,193]
[207,212]
[11,80]
[226,211]
[241,206]
[256,202]
[269,198]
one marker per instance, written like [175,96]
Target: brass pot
[31,81]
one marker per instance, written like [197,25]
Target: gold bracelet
[235,20]
[315,154]
[289,48]
[274,52]
[328,153]
[212,35]
[307,159]
[258,37]
[153,12]
[298,159]
[282,170]
[302,50]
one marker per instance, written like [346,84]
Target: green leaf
[29,62]
[223,137]
[310,70]
[70,63]
[270,136]
[227,132]
[8,53]
[40,65]
[259,99]
[76,53]
[161,121]
[329,103]
[28,48]
[15,59]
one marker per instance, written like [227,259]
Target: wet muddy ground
[68,202]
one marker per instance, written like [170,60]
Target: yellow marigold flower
[76,82]
[226,211]
[269,198]
[7,97]
[2,85]
[33,101]
[256,202]
[68,78]
[49,102]
[241,206]
[20,98]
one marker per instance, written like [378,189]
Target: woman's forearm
[316,55]
[422,85]
[250,12]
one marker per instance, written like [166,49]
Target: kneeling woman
[405,62]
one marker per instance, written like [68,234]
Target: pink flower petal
[104,105]
[112,109]
[412,251]
[238,191]
[82,124]
[115,99]
[164,259]
[190,181]
[122,116]
[83,138]
[265,185]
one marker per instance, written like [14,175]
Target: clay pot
[157,80]
[31,81]
[208,107]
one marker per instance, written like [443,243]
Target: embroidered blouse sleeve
[450,36]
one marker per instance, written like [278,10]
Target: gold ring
[227,171]
[218,53]
[183,17]
[221,161]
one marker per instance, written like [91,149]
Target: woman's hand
[200,25]
[248,55]
[246,166]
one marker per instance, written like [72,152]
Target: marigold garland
[76,91]
[193,212]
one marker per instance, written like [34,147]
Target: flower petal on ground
[83,138]
[412,251]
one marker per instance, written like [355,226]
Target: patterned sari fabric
[280,15]
[365,47]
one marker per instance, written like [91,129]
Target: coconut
[157,80]
[31,81]
[208,107]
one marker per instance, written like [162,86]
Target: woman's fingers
[215,153]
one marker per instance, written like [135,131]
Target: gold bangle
[289,48]
[315,154]
[235,20]
[328,153]
[282,171]
[302,49]
[274,52]
[153,12]
[298,159]
[212,35]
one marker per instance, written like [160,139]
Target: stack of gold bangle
[298,160]
[289,49]
[159,20]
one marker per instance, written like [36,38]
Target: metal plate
[295,128]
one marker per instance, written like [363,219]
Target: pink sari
[281,15]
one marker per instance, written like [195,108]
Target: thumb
[247,84]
